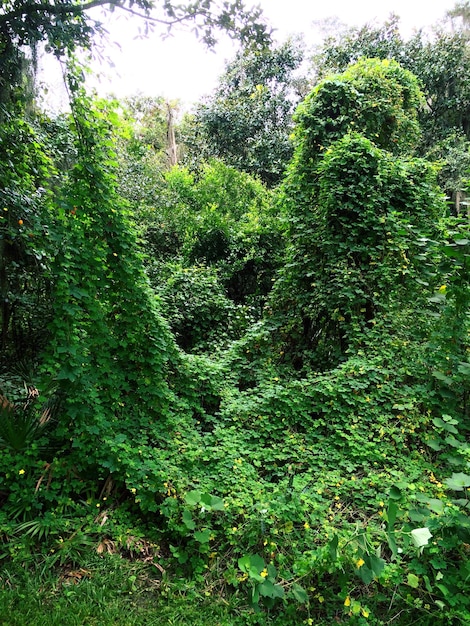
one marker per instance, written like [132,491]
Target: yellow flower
[347,602]
[306,525]
[264,573]
[365,612]
[21,472]
[359,563]
[442,288]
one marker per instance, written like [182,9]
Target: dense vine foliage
[271,404]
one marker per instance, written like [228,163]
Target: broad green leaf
[299,593]
[441,376]
[392,511]
[366,574]
[193,498]
[266,589]
[420,536]
[333,548]
[244,563]
[458,481]
[269,590]
[202,536]
[395,493]
[413,581]
[217,504]
[464,368]
[188,520]
[377,565]
[392,544]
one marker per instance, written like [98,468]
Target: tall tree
[442,65]
[248,119]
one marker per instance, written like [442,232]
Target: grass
[112,591]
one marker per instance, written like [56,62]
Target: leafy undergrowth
[332,499]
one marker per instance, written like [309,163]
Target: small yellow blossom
[21,472]
[264,573]
[347,602]
[381,503]
[306,525]
[365,612]
[359,563]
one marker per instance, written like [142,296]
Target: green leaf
[188,520]
[464,368]
[202,536]
[270,590]
[413,581]
[193,498]
[212,502]
[441,376]
[437,421]
[458,481]
[366,575]
[244,563]
[395,493]
[392,511]
[377,565]
[421,536]
[435,505]
[333,548]
[257,562]
[392,544]
[299,593]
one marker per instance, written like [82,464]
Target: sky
[180,68]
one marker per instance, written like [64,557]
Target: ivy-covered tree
[353,197]
[442,65]
[248,119]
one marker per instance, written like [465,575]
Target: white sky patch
[180,68]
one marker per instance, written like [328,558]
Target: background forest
[235,364]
